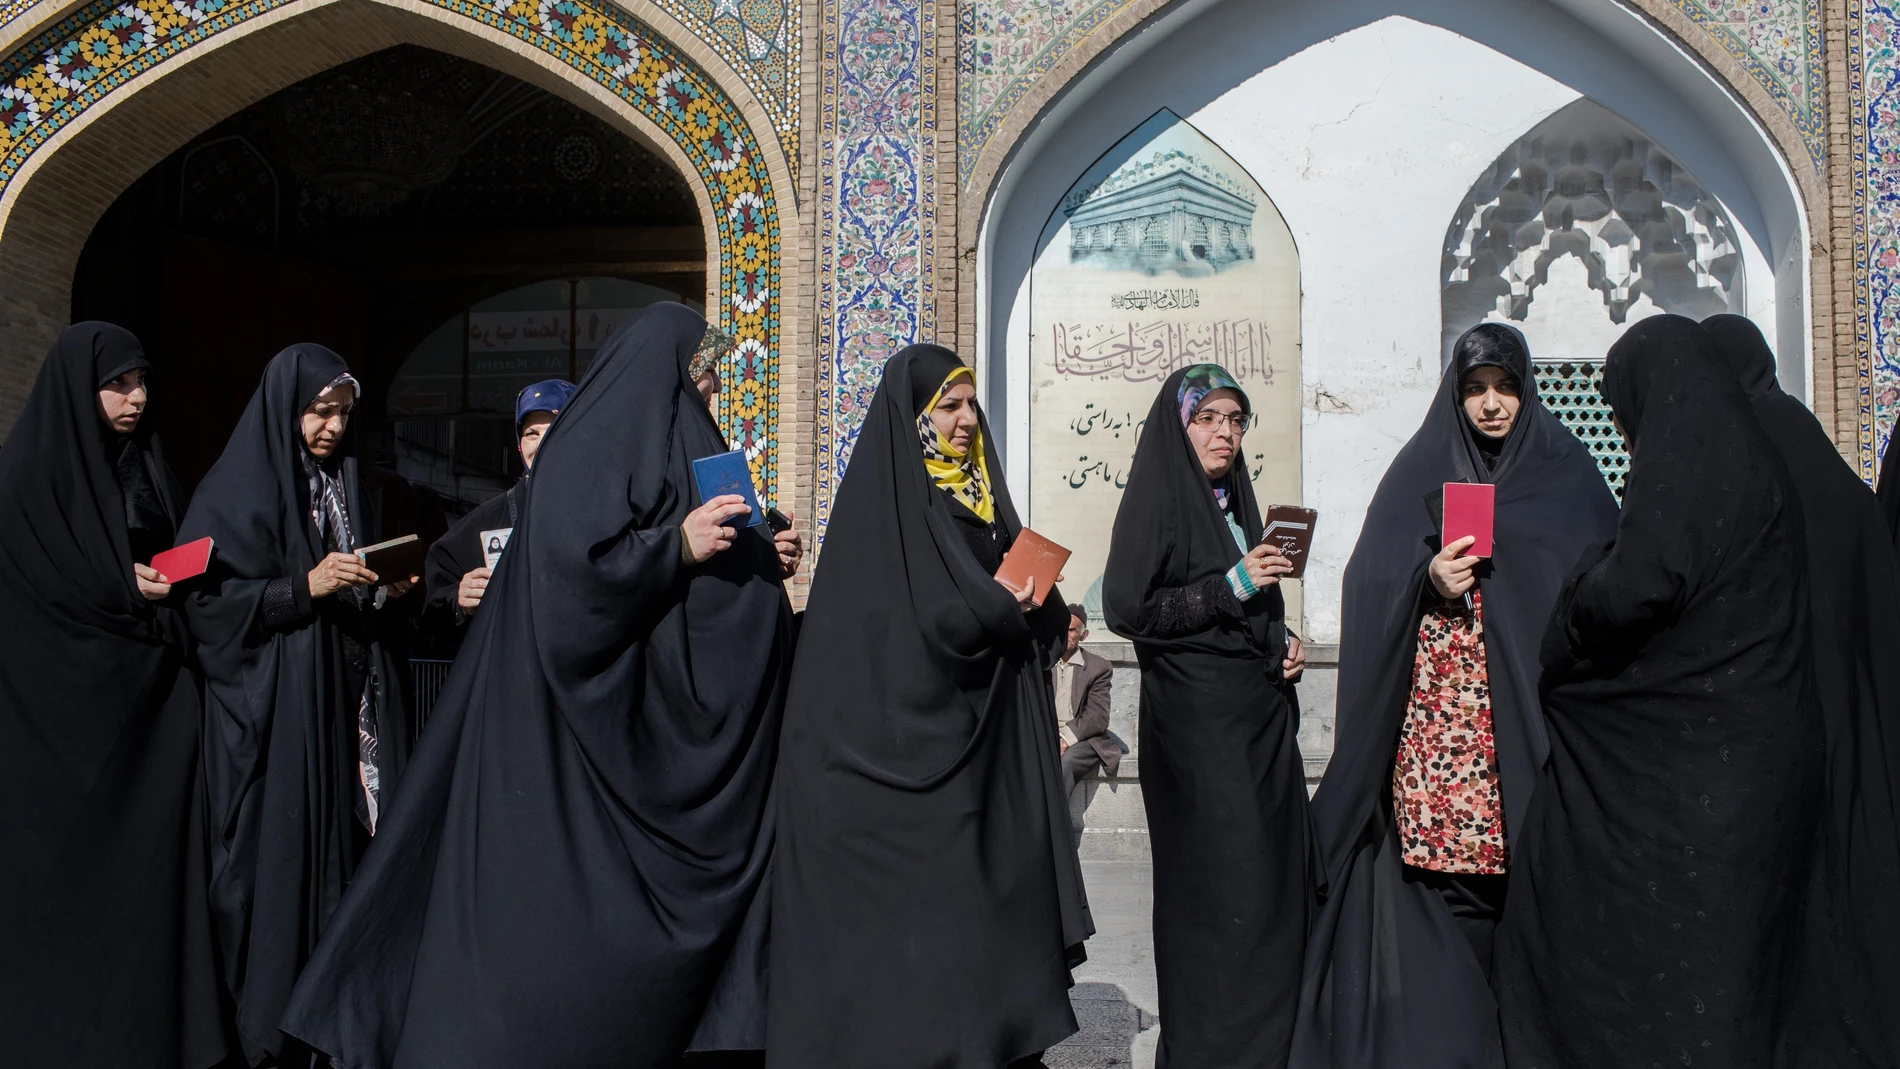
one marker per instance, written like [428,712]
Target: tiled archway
[88,104]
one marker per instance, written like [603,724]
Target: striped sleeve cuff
[1239,582]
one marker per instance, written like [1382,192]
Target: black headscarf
[1661,884]
[1551,505]
[1854,594]
[281,742]
[571,875]
[1221,772]
[926,893]
[1169,532]
[105,950]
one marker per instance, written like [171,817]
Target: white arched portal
[1368,128]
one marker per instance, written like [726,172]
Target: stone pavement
[1114,993]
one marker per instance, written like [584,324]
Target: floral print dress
[1445,799]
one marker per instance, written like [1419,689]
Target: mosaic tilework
[1873,81]
[49,81]
[1573,391]
[1004,46]
[760,38]
[1779,43]
[876,210]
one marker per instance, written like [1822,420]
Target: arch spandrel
[1784,91]
[63,157]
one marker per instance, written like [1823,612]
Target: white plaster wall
[1366,141]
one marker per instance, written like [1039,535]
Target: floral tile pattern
[1003,47]
[876,210]
[48,81]
[1873,81]
[760,38]
[1779,43]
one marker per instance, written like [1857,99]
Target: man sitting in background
[1081,682]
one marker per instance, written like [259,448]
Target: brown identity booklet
[1289,529]
[395,560]
[1032,556]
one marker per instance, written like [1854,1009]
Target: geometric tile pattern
[1873,84]
[1573,391]
[49,81]
[760,38]
[876,210]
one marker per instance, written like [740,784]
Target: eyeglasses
[1208,419]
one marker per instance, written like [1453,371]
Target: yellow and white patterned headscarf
[965,475]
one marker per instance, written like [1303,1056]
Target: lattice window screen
[1574,391]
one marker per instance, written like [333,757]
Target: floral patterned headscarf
[714,346]
[964,475]
[1201,380]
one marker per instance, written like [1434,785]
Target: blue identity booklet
[727,473]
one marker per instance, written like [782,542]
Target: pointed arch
[90,103]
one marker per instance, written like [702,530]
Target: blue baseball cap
[548,395]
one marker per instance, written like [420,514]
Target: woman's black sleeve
[286,604]
[1186,610]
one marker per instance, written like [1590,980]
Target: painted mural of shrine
[1172,213]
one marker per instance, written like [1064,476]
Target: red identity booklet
[1032,556]
[184,562]
[1469,508]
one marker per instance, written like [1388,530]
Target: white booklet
[493,542]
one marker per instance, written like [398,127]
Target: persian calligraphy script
[1164,299]
[1146,352]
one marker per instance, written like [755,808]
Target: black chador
[1665,907]
[570,878]
[306,731]
[1391,980]
[1221,774]
[1889,488]
[106,954]
[1854,598]
[927,903]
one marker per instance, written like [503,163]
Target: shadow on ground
[1110,1023]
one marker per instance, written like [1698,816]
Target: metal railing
[426,680]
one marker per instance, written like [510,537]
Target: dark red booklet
[1469,510]
[1290,529]
[180,563]
[1032,556]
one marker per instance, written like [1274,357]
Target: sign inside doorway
[1163,255]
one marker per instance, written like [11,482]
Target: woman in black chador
[927,904]
[1854,599]
[1440,733]
[1662,883]
[106,955]
[571,877]
[1189,581]
[306,731]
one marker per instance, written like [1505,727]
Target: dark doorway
[371,209]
